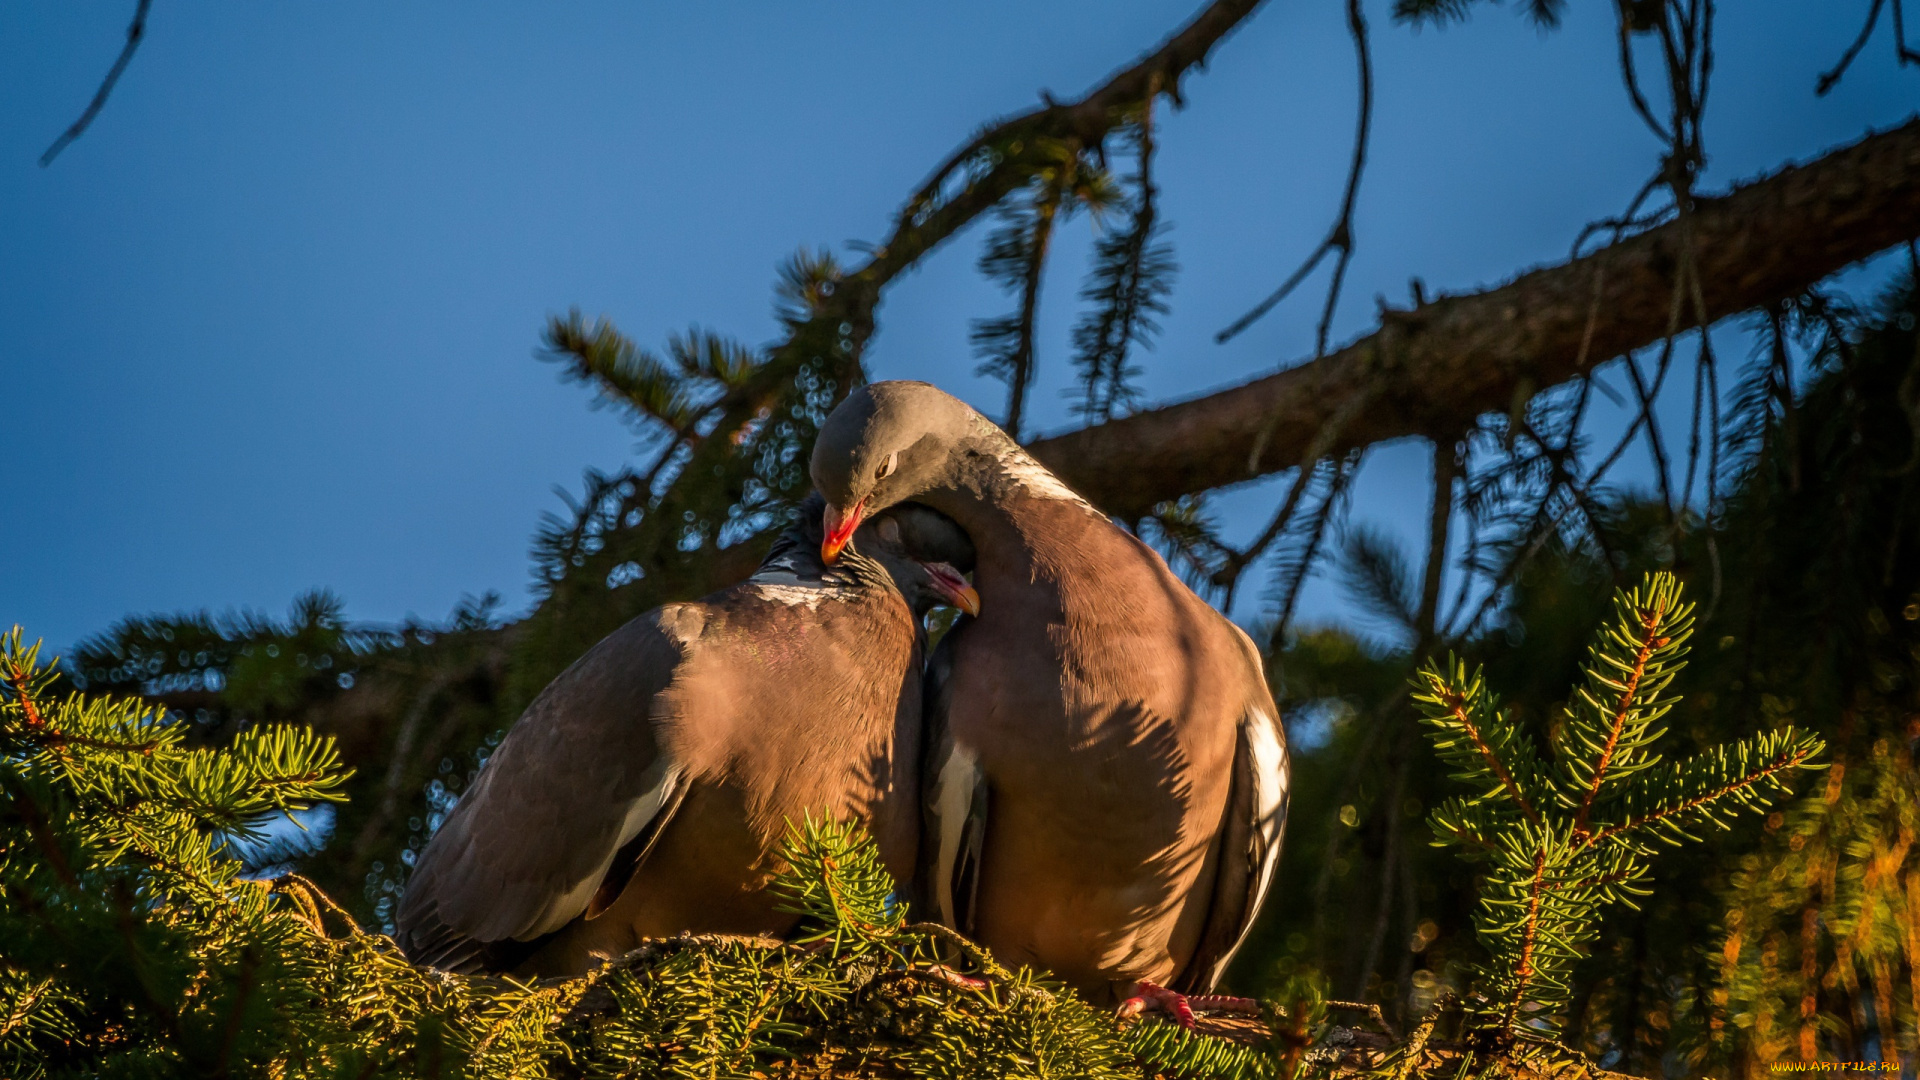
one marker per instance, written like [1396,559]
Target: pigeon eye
[886,467]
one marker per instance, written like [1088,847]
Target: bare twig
[1831,78]
[1545,524]
[135,32]
[1905,55]
[1632,81]
[1237,560]
[1444,470]
[928,218]
[1340,237]
[1651,423]
[1390,861]
[934,214]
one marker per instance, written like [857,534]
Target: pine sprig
[1563,840]
[1544,14]
[1708,790]
[838,886]
[676,391]
[1174,1051]
[1067,179]
[1128,286]
[1614,716]
[1472,733]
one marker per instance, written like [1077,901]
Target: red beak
[840,525]
[949,583]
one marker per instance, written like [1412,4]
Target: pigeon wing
[1249,846]
[579,788]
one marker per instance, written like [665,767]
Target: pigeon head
[887,442]
[926,554]
[922,552]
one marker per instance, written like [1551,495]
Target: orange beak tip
[839,525]
[953,586]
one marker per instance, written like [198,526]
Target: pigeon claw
[1149,997]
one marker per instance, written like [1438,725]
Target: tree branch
[1439,522]
[926,221]
[929,219]
[1446,362]
[135,31]
[1341,235]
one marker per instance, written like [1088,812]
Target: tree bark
[1435,368]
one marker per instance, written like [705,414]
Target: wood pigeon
[647,790]
[1107,773]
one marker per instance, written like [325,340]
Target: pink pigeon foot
[1149,997]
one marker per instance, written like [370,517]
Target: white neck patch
[807,596]
[1025,474]
[1032,478]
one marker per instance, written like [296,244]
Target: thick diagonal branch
[1435,368]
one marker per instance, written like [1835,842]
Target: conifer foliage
[127,942]
[1561,838]
[131,946]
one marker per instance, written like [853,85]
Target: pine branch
[676,393]
[1544,14]
[1340,237]
[1188,536]
[838,883]
[1374,572]
[1710,788]
[1065,182]
[930,215]
[1612,715]
[1471,733]
[1130,280]
[1551,866]
[1176,1052]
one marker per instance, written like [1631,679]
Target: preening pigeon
[1107,779]
[646,791]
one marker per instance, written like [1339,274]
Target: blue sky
[269,325]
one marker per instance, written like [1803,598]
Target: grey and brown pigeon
[1107,781]
[646,791]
